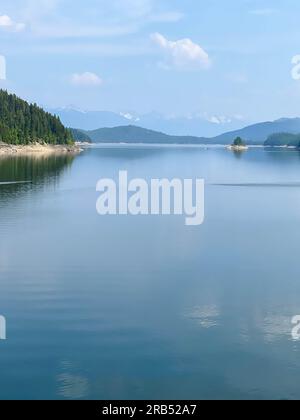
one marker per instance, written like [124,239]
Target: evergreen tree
[238,142]
[23,123]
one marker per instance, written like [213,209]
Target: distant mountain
[258,133]
[89,120]
[215,130]
[254,134]
[80,135]
[133,134]
[193,125]
[180,126]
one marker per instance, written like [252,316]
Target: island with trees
[238,145]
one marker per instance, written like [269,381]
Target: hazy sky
[209,57]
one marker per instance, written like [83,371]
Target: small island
[239,145]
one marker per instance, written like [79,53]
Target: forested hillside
[24,123]
[80,135]
[134,134]
[283,139]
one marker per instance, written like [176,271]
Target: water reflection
[23,173]
[146,308]
[276,327]
[206,316]
[72,386]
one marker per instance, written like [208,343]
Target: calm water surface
[145,307]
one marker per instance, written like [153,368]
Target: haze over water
[146,307]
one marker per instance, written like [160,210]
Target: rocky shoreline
[235,148]
[38,148]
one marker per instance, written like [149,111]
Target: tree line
[283,139]
[24,123]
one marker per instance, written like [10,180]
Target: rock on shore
[10,149]
[236,148]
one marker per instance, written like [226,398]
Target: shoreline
[38,149]
[166,145]
[234,148]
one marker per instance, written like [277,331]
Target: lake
[123,307]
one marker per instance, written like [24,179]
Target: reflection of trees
[283,154]
[36,170]
[238,154]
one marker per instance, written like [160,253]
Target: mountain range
[192,125]
[259,133]
[256,134]
[133,134]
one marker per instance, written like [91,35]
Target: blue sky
[228,58]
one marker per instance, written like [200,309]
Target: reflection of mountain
[34,171]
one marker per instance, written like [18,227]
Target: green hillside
[24,123]
[283,139]
[133,134]
[276,133]
[80,135]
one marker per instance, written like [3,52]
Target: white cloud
[8,24]
[86,79]
[183,54]
[98,18]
